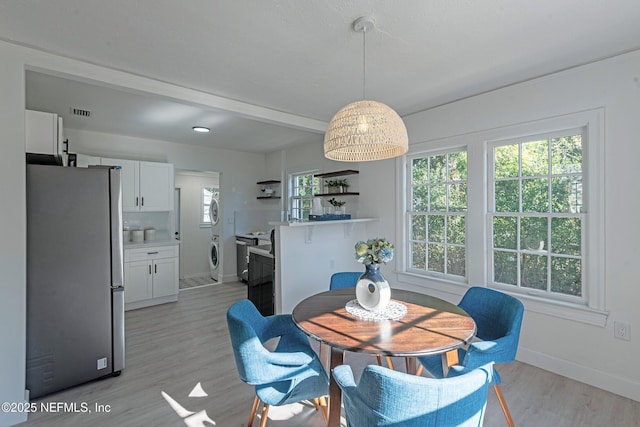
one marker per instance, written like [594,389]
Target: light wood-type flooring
[172,348]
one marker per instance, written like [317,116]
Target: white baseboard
[614,384]
[149,302]
[197,276]
[230,278]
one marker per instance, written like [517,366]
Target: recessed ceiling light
[200,129]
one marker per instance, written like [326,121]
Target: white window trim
[594,312]
[290,187]
[408,191]
[204,224]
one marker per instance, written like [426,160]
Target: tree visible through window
[437,214]
[518,208]
[303,188]
[537,214]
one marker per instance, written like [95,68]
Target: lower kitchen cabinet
[260,283]
[150,276]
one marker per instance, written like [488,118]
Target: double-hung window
[536,209]
[436,216]
[518,208]
[303,187]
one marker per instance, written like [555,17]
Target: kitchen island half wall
[308,253]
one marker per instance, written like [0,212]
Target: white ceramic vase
[372,290]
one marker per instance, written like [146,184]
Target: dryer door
[214,211]
[213,256]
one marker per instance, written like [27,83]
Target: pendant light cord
[364,60]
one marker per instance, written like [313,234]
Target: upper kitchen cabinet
[156,186]
[146,186]
[43,134]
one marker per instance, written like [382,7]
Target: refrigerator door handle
[117,271]
[117,250]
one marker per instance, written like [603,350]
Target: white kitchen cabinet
[43,134]
[84,160]
[150,276]
[138,281]
[146,186]
[156,186]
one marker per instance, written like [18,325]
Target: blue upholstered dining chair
[290,373]
[349,279]
[395,399]
[344,279]
[498,318]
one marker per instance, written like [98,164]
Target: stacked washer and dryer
[214,251]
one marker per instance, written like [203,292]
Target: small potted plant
[337,185]
[338,205]
[333,186]
[343,184]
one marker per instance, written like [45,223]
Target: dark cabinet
[260,283]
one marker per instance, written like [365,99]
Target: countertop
[306,223]
[261,236]
[156,242]
[263,250]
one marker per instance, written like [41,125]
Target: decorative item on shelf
[316,208]
[268,191]
[365,130]
[337,185]
[372,290]
[343,185]
[329,217]
[338,205]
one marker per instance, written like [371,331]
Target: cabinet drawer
[152,252]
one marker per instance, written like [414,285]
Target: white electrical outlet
[622,330]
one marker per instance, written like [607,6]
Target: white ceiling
[302,57]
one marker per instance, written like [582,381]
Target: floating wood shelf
[337,173]
[268,182]
[346,193]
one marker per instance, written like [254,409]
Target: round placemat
[393,311]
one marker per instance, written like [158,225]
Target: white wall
[239,174]
[311,254]
[580,351]
[310,157]
[587,353]
[13,242]
[195,238]
[241,169]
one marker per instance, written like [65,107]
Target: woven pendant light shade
[363,131]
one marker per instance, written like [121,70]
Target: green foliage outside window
[437,237]
[303,188]
[537,225]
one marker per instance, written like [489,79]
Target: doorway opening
[198,222]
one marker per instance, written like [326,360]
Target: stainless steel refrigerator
[75,298]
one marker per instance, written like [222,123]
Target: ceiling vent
[80,112]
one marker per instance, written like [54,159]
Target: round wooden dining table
[430,326]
